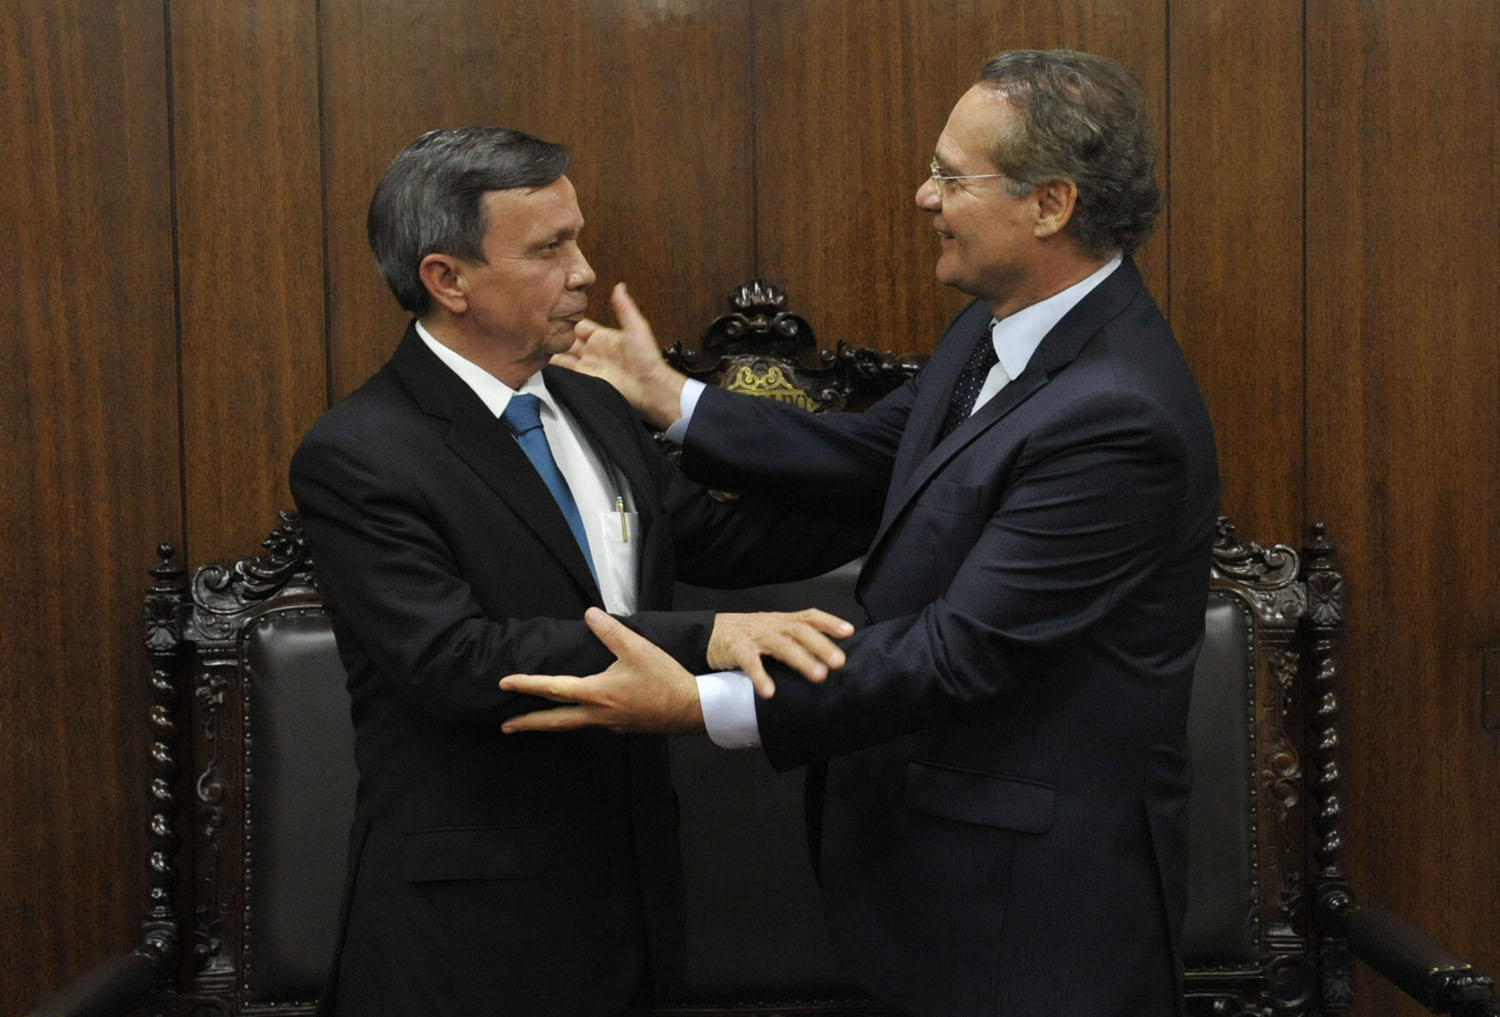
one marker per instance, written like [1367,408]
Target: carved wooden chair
[252,779]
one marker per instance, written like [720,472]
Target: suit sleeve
[833,462]
[391,582]
[1084,517]
[752,540]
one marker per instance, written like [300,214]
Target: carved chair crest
[759,348]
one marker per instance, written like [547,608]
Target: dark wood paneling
[88,452]
[1236,243]
[249,213]
[717,139]
[1404,439]
[850,99]
[652,98]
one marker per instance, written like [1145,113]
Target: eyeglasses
[940,178]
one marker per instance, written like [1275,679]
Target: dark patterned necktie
[976,369]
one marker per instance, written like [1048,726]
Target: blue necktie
[523,416]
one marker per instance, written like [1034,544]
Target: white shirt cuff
[728,701]
[687,402]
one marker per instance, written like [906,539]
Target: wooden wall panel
[716,140]
[88,453]
[1236,244]
[250,257]
[651,97]
[850,99]
[1403,415]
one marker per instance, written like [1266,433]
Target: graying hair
[1082,118]
[431,198]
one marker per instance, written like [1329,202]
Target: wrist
[663,401]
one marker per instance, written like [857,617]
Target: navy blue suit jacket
[1003,826]
[530,874]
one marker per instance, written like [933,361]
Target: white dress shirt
[603,498]
[727,697]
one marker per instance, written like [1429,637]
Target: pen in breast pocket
[624,526]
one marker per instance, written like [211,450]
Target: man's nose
[928,199]
[581,275]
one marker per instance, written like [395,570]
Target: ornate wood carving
[1325,615]
[162,927]
[1267,581]
[760,348]
[222,601]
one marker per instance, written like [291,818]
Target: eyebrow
[560,234]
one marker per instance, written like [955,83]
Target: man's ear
[1055,200]
[443,275]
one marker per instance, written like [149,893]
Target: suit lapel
[939,377]
[919,460]
[487,448]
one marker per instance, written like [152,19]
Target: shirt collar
[493,392]
[1017,336]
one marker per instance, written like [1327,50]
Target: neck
[1049,278]
[454,332]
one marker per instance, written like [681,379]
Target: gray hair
[1082,118]
[431,198]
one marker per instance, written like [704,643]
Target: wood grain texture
[651,97]
[88,451]
[1236,244]
[716,140]
[250,257]
[850,99]
[1404,440]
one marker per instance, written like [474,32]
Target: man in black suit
[463,508]
[1003,821]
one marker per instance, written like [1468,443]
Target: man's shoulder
[378,408]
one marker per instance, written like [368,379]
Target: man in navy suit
[1003,818]
[463,508]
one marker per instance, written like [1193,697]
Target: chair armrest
[109,989]
[1417,964]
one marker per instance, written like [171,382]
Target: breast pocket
[622,560]
[982,799]
[947,496]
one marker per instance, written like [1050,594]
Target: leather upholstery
[300,776]
[743,834]
[1221,812]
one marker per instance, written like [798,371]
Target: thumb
[618,638]
[631,318]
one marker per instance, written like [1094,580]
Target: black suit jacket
[527,874]
[1003,825]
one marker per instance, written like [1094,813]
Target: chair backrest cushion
[1221,813]
[740,820]
[300,779]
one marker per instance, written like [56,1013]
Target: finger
[617,637]
[564,718]
[821,647]
[785,648]
[825,622]
[755,670]
[631,318]
[557,687]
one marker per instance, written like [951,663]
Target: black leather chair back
[1221,832]
[299,790]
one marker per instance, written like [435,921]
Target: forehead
[970,132]
[524,215]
